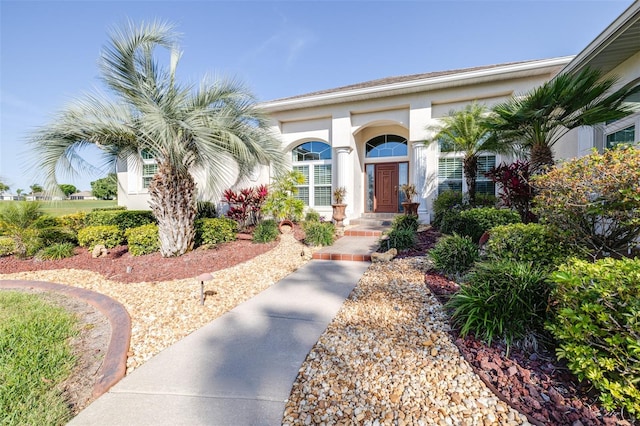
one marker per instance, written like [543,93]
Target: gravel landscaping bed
[388,358]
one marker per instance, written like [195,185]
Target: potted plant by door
[338,206]
[409,205]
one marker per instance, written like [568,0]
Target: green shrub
[123,219]
[312,216]
[142,239]
[17,221]
[107,235]
[530,242]
[57,235]
[45,221]
[409,222]
[266,231]
[319,233]
[74,221]
[107,209]
[7,246]
[454,254]
[501,300]
[594,201]
[400,239]
[215,230]
[597,326]
[206,210]
[475,222]
[485,200]
[57,251]
[445,202]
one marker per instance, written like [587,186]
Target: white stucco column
[421,179]
[344,176]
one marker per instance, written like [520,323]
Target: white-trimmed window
[313,160]
[451,176]
[149,167]
[625,131]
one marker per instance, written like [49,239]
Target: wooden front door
[386,188]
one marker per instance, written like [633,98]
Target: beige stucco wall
[351,124]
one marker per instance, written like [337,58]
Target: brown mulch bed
[535,383]
[150,267]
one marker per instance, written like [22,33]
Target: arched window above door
[386,146]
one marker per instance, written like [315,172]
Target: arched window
[386,146]
[313,160]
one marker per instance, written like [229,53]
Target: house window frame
[480,179]
[631,121]
[148,161]
[311,187]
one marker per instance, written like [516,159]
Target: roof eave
[605,39]
[469,77]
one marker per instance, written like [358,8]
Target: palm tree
[465,131]
[215,127]
[537,120]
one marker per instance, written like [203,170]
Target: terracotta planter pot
[410,209]
[339,214]
[285,226]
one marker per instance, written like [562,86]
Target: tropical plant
[338,194]
[206,209]
[56,251]
[216,127]
[502,300]
[405,222]
[19,192]
[516,191]
[409,192]
[18,220]
[594,201]
[537,120]
[3,187]
[245,205]
[266,231]
[400,239]
[465,131]
[454,255]
[281,203]
[319,233]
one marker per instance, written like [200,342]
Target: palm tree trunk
[173,204]
[541,158]
[470,167]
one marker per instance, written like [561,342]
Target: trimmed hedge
[597,326]
[107,235]
[142,239]
[123,219]
[57,235]
[7,246]
[475,222]
[74,221]
[531,242]
[216,230]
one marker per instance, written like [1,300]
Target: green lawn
[59,208]
[35,357]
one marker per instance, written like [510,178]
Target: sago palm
[465,131]
[214,130]
[537,120]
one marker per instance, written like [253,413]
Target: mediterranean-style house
[369,137]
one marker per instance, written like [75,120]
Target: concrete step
[353,248]
[379,216]
[372,222]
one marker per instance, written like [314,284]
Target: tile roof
[400,79]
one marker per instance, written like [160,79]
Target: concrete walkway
[239,369]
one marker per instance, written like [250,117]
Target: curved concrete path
[238,369]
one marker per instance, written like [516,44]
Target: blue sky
[49,49]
